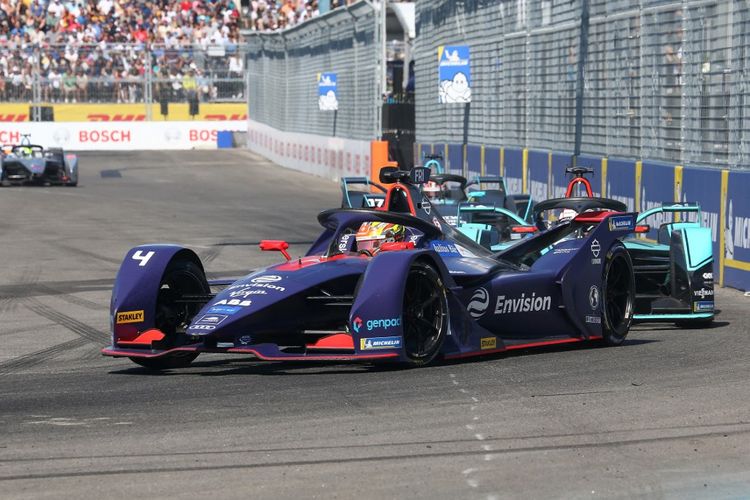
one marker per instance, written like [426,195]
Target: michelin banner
[327,92]
[454,74]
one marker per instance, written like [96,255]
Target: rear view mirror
[278,245]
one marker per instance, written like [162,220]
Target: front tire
[425,315]
[181,277]
[618,297]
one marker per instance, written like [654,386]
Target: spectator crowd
[100,50]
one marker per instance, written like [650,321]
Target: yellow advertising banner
[20,112]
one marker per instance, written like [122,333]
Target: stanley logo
[129,317]
[488,343]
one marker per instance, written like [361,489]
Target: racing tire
[425,315]
[181,277]
[618,295]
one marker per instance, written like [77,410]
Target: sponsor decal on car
[596,249]
[373,343]
[268,278]
[703,306]
[211,319]
[563,250]
[129,317]
[594,297]
[621,223]
[385,323]
[245,293]
[445,248]
[522,304]
[233,302]
[488,343]
[202,327]
[245,339]
[357,324]
[708,276]
[703,293]
[426,206]
[344,242]
[224,309]
[594,320]
[478,304]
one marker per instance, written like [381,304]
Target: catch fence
[662,80]
[283,69]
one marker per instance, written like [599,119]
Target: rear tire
[618,297]
[425,315]
[181,277]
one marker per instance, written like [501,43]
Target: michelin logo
[374,343]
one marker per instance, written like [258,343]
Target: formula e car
[422,291]
[28,163]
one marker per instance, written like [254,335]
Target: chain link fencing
[283,69]
[663,80]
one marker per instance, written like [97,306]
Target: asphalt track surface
[666,415]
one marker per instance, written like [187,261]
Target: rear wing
[672,207]
[370,195]
[490,208]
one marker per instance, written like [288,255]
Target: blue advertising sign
[513,167]
[657,188]
[703,186]
[327,92]
[737,231]
[454,74]
[538,175]
[621,181]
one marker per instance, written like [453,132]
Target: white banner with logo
[329,157]
[110,136]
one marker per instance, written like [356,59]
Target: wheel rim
[425,311]
[172,317]
[618,302]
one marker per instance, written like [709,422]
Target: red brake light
[642,228]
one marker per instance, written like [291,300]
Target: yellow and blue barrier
[640,184]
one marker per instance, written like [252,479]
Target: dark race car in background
[33,164]
[429,293]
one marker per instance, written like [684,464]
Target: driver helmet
[373,234]
[432,190]
[26,151]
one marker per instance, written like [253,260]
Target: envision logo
[270,278]
[478,303]
[594,297]
[522,304]
[595,248]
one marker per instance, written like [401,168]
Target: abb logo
[202,135]
[102,117]
[10,137]
[220,117]
[103,136]
[11,117]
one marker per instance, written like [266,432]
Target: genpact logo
[382,323]
[357,324]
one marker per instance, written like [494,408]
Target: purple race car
[397,284]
